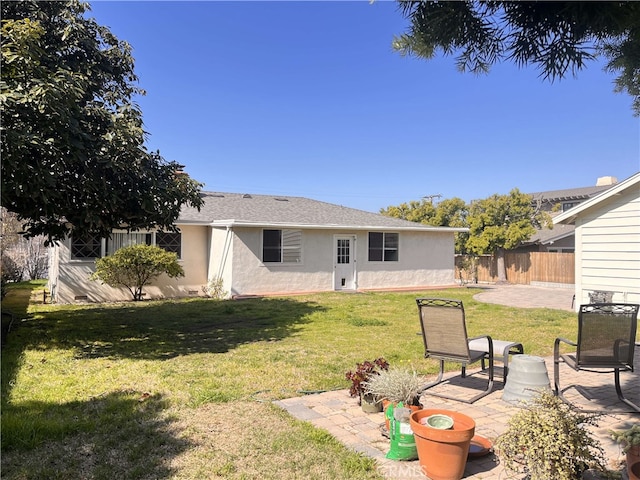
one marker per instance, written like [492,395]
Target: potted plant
[363,372]
[442,450]
[547,439]
[395,385]
[629,440]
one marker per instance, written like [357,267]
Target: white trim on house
[570,215]
[417,228]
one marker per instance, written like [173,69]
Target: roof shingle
[237,208]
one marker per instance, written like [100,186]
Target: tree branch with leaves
[557,38]
[74,159]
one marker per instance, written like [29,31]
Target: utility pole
[431,197]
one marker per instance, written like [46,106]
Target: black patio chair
[444,333]
[606,344]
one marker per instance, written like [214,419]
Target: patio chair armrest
[489,342]
[556,346]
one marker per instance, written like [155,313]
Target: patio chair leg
[436,381]
[556,376]
[622,398]
[489,385]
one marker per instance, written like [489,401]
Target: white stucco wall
[425,259]
[221,256]
[73,282]
[608,248]
[251,276]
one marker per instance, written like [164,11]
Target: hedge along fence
[522,268]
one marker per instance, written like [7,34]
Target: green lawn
[181,389]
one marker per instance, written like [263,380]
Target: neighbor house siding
[608,248]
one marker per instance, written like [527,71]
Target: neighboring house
[561,237]
[262,244]
[607,233]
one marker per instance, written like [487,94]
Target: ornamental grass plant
[397,384]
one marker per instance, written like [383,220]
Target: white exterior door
[345,263]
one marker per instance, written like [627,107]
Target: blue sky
[308,99]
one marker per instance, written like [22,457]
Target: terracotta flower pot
[442,453]
[633,462]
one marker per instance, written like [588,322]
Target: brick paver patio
[340,415]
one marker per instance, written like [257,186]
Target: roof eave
[569,217]
[417,228]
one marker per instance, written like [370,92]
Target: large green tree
[556,37]
[73,146]
[502,222]
[420,211]
[451,212]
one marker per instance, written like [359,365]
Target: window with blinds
[91,247]
[281,246]
[119,240]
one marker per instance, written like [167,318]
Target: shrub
[215,288]
[549,440]
[135,266]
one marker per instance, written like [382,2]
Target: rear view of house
[262,244]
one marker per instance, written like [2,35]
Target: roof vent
[246,195]
[602,181]
[217,195]
[279,199]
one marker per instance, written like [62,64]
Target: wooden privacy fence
[522,268]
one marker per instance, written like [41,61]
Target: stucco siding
[72,283]
[608,248]
[252,276]
[425,259]
[221,256]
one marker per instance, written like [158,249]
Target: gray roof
[570,193]
[545,236]
[569,217]
[236,209]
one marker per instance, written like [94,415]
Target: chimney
[602,181]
